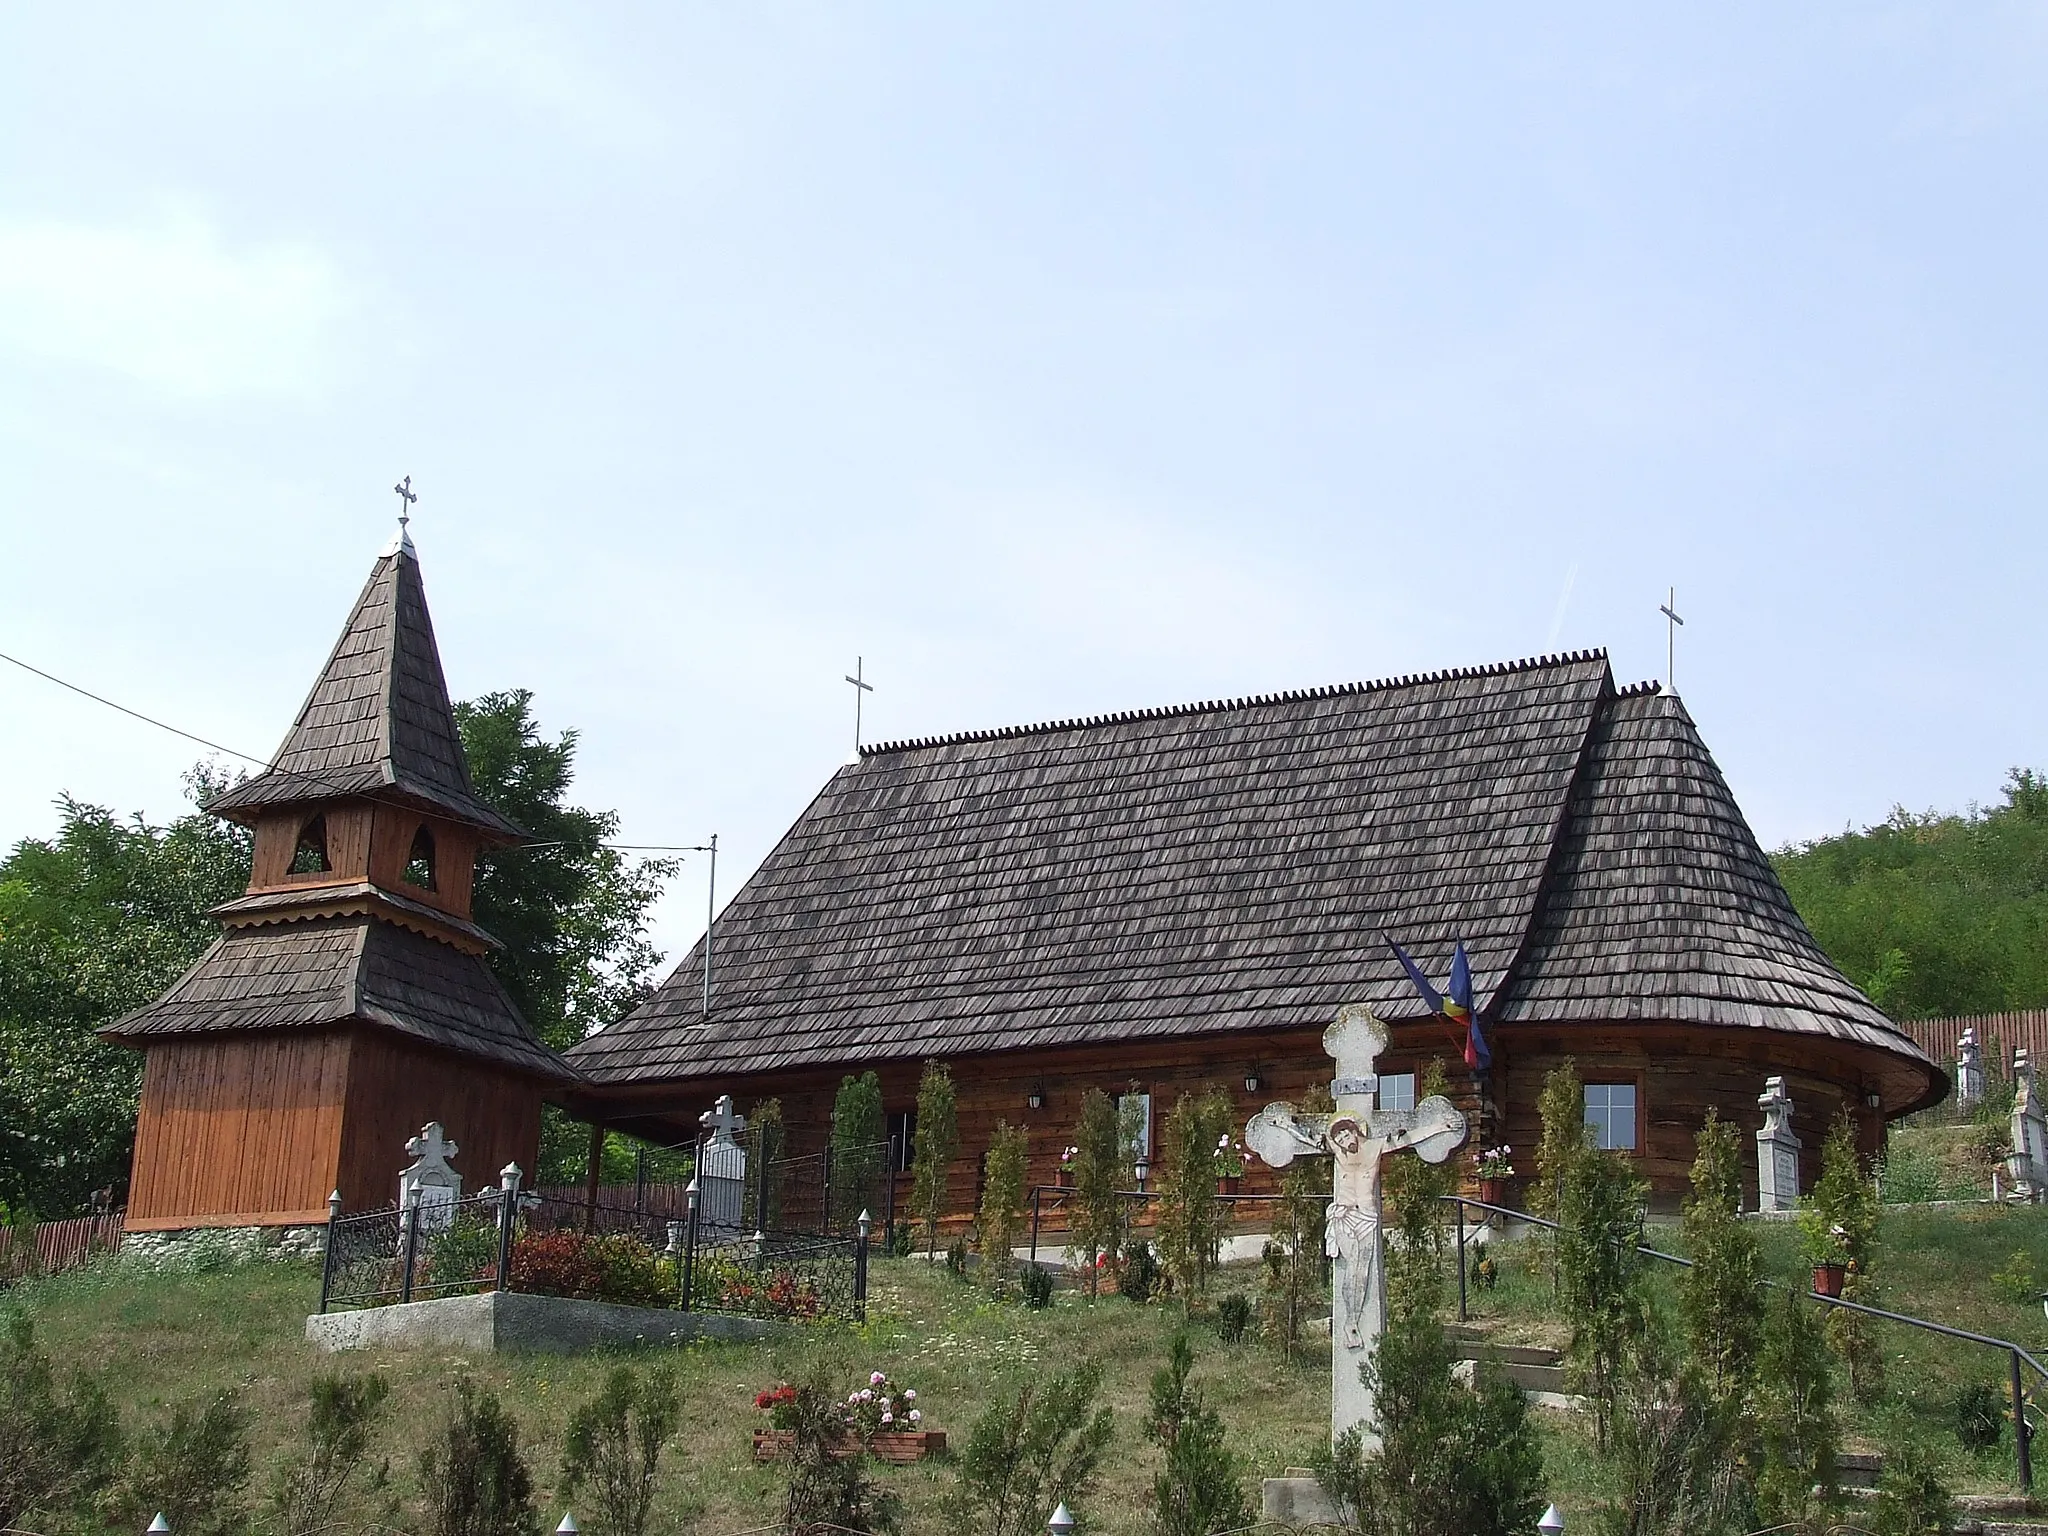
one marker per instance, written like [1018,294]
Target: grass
[160,1339]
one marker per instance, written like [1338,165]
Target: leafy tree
[94,922]
[612,1446]
[1722,1294]
[1935,914]
[1030,1452]
[473,1475]
[937,1138]
[1106,1151]
[1794,1410]
[1201,1488]
[1190,1217]
[858,1133]
[1002,1199]
[341,1417]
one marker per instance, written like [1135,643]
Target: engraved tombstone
[1777,1150]
[1969,1069]
[722,1169]
[2027,1167]
[439,1185]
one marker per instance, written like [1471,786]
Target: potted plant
[1495,1169]
[1230,1161]
[880,1418]
[1830,1261]
[1064,1175]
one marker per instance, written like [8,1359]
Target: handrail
[2022,1432]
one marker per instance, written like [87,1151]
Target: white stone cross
[1356,1138]
[2028,1164]
[439,1186]
[720,1121]
[1969,1069]
[1777,1150]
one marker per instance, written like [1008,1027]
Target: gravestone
[1356,1138]
[722,1169]
[439,1185]
[2027,1167]
[1969,1069]
[1777,1150]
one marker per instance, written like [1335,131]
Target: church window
[1611,1112]
[1134,1114]
[419,864]
[310,856]
[1397,1090]
[903,1138]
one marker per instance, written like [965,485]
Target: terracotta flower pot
[774,1444]
[1493,1191]
[1228,1184]
[1063,1178]
[1827,1279]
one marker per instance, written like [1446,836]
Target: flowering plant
[1068,1158]
[1230,1158]
[1494,1163]
[779,1403]
[882,1408]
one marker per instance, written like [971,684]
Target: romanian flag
[1455,1008]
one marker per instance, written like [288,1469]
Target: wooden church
[347,1001]
[1160,901]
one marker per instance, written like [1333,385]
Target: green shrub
[468,1250]
[1190,1215]
[859,1131]
[56,1452]
[1036,1284]
[2018,1282]
[1911,1499]
[613,1444]
[956,1258]
[938,1135]
[1201,1488]
[472,1475]
[1029,1453]
[1140,1279]
[1233,1316]
[1979,1416]
[826,1490]
[1002,1199]
[193,1467]
[341,1417]
[1105,1142]
[1909,1175]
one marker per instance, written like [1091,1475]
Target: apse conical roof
[378,721]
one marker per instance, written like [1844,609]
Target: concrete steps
[1538,1372]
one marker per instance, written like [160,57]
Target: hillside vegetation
[1935,915]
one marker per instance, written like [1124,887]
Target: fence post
[889,1200]
[1034,1222]
[2022,1432]
[1460,1202]
[825,1194]
[689,1243]
[508,1207]
[410,1218]
[860,1268]
[327,1254]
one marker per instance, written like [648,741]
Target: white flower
[887,1417]
[853,1397]
[866,1396]
[916,1416]
[910,1394]
[877,1379]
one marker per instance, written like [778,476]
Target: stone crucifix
[1355,1139]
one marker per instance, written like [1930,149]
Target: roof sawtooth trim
[1248,701]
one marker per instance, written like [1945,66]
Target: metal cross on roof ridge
[406,497]
[1670,612]
[860,686]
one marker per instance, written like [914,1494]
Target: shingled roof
[1231,866]
[345,970]
[378,721]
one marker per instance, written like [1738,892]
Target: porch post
[590,1180]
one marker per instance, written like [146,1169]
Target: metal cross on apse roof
[860,686]
[1670,612]
[406,497]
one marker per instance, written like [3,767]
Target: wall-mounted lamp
[1036,1098]
[1141,1170]
[1252,1081]
[1874,1100]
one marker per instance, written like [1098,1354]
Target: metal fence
[556,1244]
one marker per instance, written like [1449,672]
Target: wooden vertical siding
[395,1087]
[1998,1035]
[240,1130]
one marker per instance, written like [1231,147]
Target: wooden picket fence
[55,1246]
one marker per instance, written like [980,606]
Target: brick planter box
[774,1444]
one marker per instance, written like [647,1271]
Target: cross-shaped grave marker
[439,1186]
[1355,1139]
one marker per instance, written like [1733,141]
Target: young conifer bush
[193,1466]
[341,1422]
[936,1139]
[1190,1216]
[1201,1488]
[612,1447]
[57,1450]
[473,1475]
[1002,1201]
[1029,1452]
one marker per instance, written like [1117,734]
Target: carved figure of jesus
[1355,1139]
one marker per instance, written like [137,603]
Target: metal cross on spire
[1671,628]
[860,686]
[406,497]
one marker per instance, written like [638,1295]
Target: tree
[1931,914]
[341,1417]
[1201,1487]
[1190,1217]
[1840,1222]
[1794,1409]
[1722,1294]
[858,1136]
[612,1445]
[94,922]
[571,912]
[1294,1258]
[1102,1162]
[1002,1198]
[56,1451]
[473,1474]
[1030,1452]
[938,1136]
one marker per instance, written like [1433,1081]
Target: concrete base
[1297,1499]
[505,1320]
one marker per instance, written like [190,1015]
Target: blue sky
[1055,359]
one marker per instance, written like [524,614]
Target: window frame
[1414,1087]
[1625,1079]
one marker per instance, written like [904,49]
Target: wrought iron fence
[554,1244]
